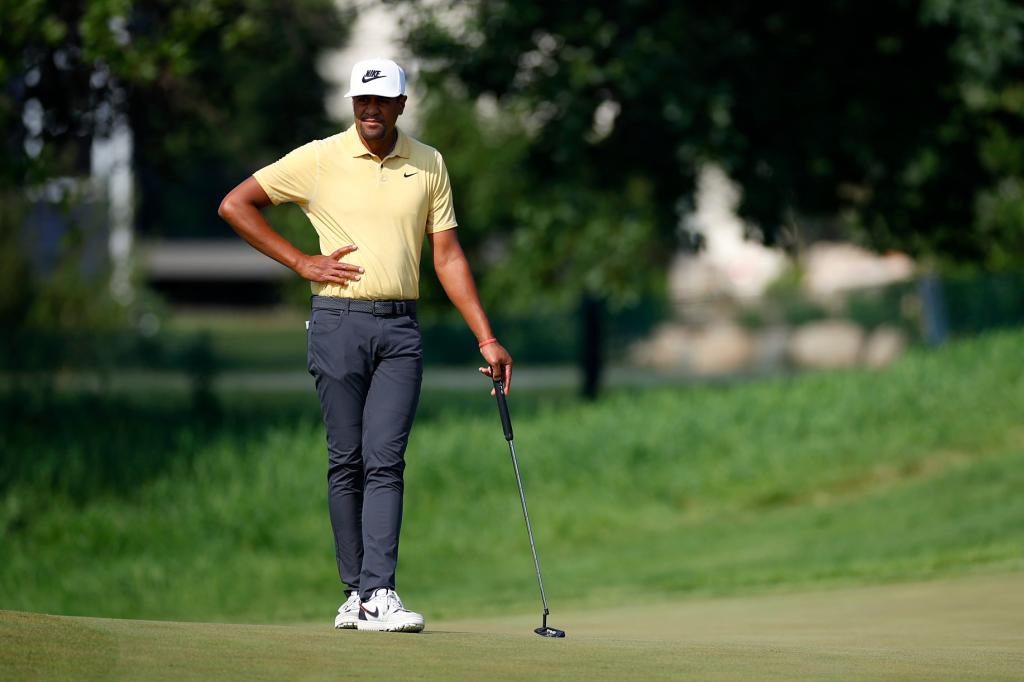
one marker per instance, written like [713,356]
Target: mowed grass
[961,629]
[830,479]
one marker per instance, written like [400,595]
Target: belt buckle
[379,308]
[399,307]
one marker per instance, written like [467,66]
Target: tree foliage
[902,124]
[211,90]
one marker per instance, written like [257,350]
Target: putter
[506,424]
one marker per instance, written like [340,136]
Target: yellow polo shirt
[382,206]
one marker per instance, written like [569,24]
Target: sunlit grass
[146,510]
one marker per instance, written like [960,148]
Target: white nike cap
[381,77]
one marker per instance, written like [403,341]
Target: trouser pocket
[322,324]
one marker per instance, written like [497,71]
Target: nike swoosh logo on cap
[371,78]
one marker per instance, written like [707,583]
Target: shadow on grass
[85,445]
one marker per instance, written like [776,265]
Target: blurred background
[662,201]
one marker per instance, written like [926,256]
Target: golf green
[970,627]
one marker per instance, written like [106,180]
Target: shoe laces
[352,603]
[393,601]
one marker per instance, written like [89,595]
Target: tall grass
[147,510]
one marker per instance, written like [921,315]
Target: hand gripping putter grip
[506,425]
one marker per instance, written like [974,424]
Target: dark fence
[927,309]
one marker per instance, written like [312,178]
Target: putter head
[550,632]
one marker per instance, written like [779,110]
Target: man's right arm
[242,209]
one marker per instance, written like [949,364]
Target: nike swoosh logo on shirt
[409,175]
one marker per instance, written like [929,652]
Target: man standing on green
[372,193]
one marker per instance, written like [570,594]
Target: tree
[211,90]
[905,123]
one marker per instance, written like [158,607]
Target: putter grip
[506,421]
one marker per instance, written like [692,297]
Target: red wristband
[486,342]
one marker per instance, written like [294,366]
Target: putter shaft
[506,424]
[529,530]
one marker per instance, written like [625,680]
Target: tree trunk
[591,345]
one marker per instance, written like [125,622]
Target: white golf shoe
[348,613]
[384,612]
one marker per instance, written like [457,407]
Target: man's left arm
[453,271]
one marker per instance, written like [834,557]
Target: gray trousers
[368,370]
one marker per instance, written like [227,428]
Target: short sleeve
[441,216]
[293,178]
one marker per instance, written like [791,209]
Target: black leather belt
[360,306]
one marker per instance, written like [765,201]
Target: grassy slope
[961,629]
[831,478]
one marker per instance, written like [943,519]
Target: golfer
[371,193]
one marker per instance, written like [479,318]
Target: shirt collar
[354,146]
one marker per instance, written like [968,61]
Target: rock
[721,348]
[770,349]
[667,348]
[884,346]
[691,278]
[834,267]
[826,344]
